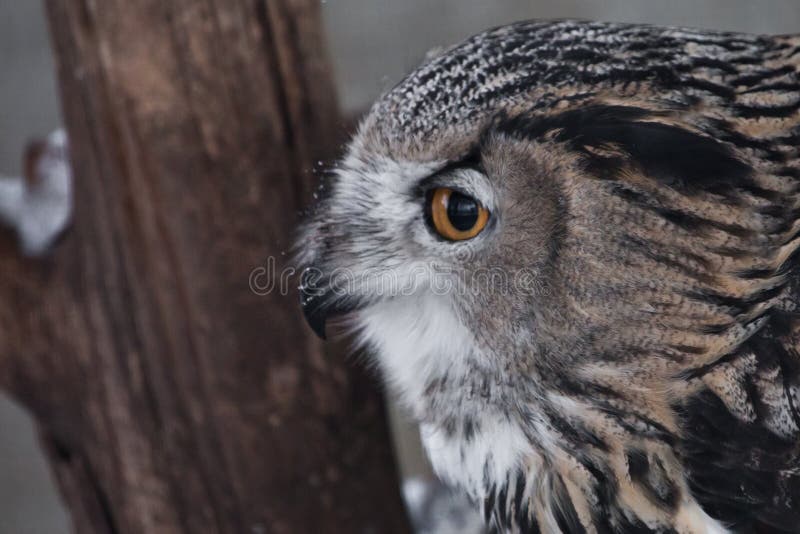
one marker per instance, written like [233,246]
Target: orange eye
[456,216]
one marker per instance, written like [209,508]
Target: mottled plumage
[634,365]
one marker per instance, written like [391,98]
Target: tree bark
[171,397]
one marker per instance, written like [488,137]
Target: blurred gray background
[372,44]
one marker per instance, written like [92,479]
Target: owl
[571,249]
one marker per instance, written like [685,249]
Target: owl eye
[456,216]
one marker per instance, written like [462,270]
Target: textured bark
[170,397]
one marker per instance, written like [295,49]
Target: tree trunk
[169,395]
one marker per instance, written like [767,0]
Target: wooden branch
[170,397]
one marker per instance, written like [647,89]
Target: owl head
[539,235]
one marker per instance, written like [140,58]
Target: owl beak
[320,303]
[315,312]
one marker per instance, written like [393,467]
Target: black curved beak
[314,310]
[320,303]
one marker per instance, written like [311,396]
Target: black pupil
[462,211]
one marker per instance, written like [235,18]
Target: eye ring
[456,216]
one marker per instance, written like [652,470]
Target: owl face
[427,256]
[550,238]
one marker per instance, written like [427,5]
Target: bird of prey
[572,249]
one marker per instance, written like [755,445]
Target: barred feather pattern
[654,179]
[749,77]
